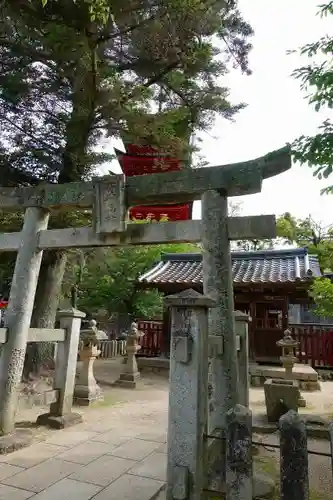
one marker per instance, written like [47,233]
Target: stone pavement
[118,453]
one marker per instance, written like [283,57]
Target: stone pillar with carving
[86,390]
[131,373]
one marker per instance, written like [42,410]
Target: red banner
[141,165]
[143,160]
[167,212]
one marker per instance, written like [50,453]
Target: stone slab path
[119,452]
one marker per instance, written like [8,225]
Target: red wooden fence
[152,341]
[315,344]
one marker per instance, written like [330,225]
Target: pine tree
[73,73]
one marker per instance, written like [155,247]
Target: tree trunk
[78,131]
[45,309]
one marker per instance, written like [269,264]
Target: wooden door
[268,325]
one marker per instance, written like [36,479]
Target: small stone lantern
[288,358]
[86,389]
[130,371]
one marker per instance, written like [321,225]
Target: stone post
[131,374]
[242,320]
[18,315]
[294,473]
[61,414]
[239,480]
[217,283]
[87,390]
[188,394]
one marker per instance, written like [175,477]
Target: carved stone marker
[109,207]
[187,394]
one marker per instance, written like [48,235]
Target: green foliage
[316,79]
[76,72]
[253,245]
[108,279]
[322,293]
[308,233]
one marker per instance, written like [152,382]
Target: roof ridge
[271,253]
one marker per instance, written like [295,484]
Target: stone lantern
[288,358]
[86,389]
[130,371]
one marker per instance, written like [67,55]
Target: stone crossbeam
[172,187]
[239,228]
[38,335]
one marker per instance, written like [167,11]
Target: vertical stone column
[18,314]
[187,394]
[242,321]
[217,283]
[60,414]
[239,464]
[294,472]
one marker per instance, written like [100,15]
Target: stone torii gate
[110,197]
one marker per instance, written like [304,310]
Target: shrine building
[270,285]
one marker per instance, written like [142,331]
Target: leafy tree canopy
[308,233]
[322,293]
[108,279]
[71,77]
[316,79]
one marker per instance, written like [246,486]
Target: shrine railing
[112,349]
[315,344]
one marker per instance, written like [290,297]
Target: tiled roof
[269,266]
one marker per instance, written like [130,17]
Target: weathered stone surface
[242,321]
[136,234]
[18,315]
[217,284]
[294,475]
[316,426]
[18,439]
[181,231]
[280,396]
[235,179]
[59,421]
[66,359]
[188,394]
[239,466]
[42,475]
[109,205]
[86,389]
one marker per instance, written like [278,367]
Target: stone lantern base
[128,380]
